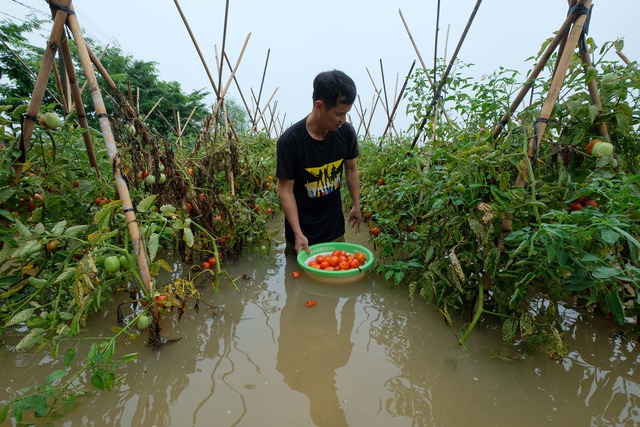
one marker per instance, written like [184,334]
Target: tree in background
[138,78]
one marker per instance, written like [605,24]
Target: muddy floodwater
[361,356]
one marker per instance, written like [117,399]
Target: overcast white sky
[306,37]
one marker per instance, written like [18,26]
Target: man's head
[333,88]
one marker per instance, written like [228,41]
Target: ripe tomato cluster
[210,263]
[338,261]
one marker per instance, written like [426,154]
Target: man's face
[334,117]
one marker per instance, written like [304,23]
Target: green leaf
[27,248]
[69,272]
[109,380]
[97,379]
[55,375]
[7,215]
[58,229]
[75,230]
[615,305]
[34,402]
[609,236]
[603,272]
[509,327]
[146,203]
[37,282]
[398,276]
[94,353]
[70,356]
[22,230]
[4,412]
[129,357]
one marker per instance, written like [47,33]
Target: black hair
[334,87]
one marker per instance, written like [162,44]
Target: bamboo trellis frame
[64,14]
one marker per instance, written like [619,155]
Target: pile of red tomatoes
[338,261]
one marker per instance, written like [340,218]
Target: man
[311,156]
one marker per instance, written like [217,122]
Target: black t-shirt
[316,167]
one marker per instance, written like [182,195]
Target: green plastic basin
[334,277]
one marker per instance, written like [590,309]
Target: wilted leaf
[33,337]
[153,245]
[20,317]
[188,237]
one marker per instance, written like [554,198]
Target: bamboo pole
[79,105]
[58,78]
[223,92]
[41,83]
[244,101]
[382,102]
[554,90]
[594,94]
[224,44]
[264,74]
[399,98]
[422,64]
[112,150]
[544,58]
[443,80]
[260,117]
[258,110]
[195,43]
[623,57]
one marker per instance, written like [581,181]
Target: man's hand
[302,243]
[355,219]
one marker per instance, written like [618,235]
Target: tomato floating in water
[310,303]
[295,274]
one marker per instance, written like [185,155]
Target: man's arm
[290,209]
[352,175]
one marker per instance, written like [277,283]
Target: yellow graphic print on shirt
[328,179]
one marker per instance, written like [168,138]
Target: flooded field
[361,356]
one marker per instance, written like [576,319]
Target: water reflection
[313,343]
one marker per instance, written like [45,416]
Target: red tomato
[212,261]
[206,265]
[342,253]
[361,257]
[334,261]
[344,265]
[330,268]
[354,263]
[374,231]
[320,259]
[324,265]
[310,303]
[160,299]
[314,265]
[295,274]
[380,181]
